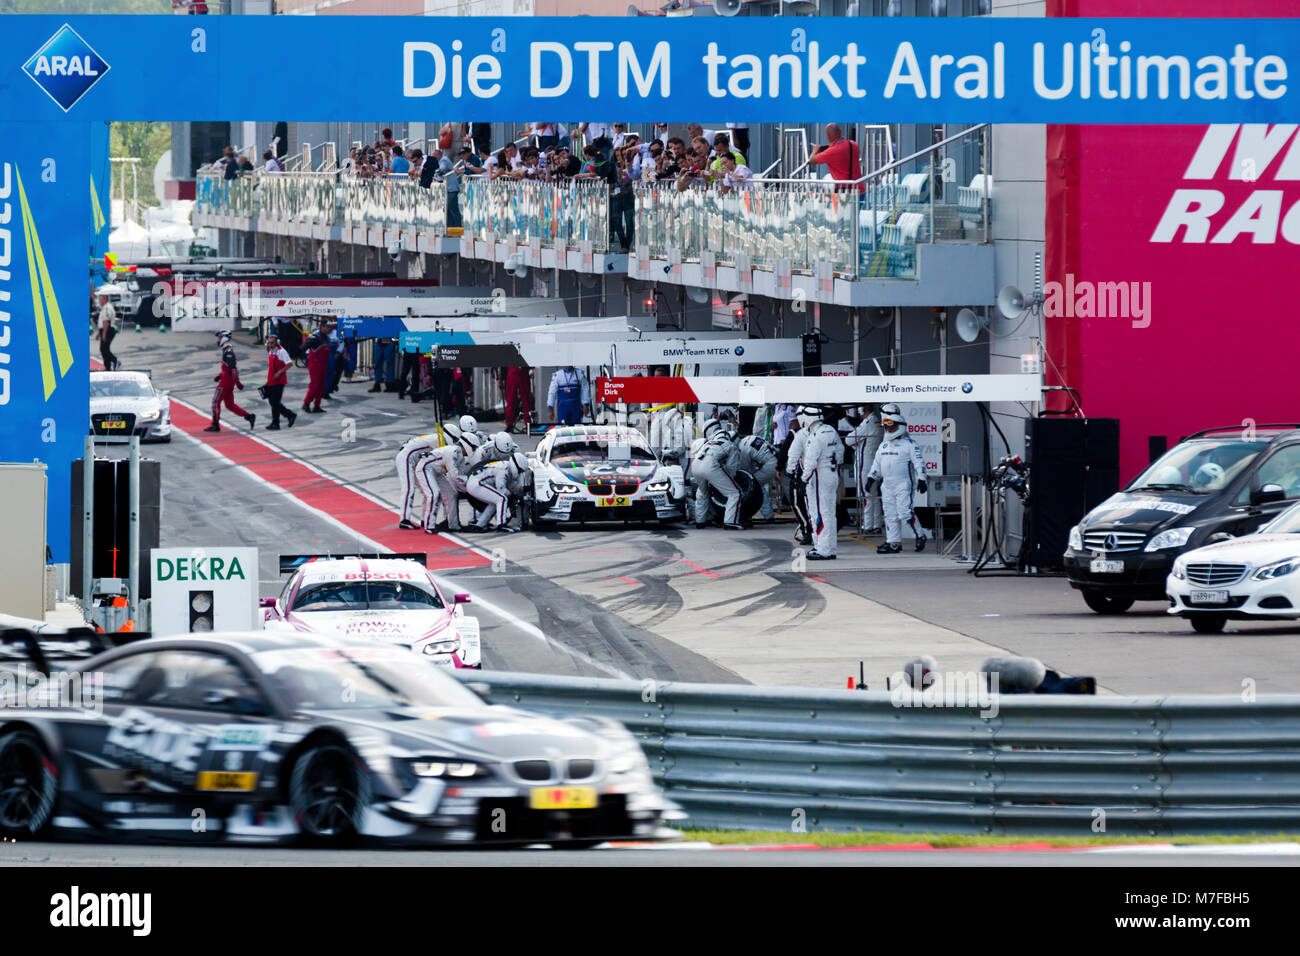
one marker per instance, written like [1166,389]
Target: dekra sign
[199,569]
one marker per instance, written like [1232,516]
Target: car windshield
[1288,522]
[1198,467]
[326,678]
[593,451]
[120,388]
[374,595]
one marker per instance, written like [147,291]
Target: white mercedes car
[1255,577]
[602,473]
[125,403]
[392,599]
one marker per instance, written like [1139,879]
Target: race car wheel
[27,784]
[1106,605]
[327,794]
[1208,623]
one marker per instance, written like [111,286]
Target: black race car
[267,738]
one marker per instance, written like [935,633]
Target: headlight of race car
[442,647]
[564,488]
[1180,570]
[1173,538]
[1276,570]
[149,416]
[1076,539]
[441,768]
[662,485]
[628,760]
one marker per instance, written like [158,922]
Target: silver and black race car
[275,737]
[602,473]
[125,403]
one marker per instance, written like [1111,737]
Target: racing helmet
[504,443]
[891,418]
[809,415]
[452,432]
[1166,475]
[468,423]
[711,427]
[1208,475]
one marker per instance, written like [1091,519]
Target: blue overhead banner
[747,69]
[44,387]
[101,181]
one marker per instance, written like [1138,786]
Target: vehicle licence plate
[1208,597]
[111,424]
[1102,566]
[562,798]
[613,502]
[222,780]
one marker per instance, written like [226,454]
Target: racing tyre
[1106,605]
[27,785]
[328,795]
[1208,623]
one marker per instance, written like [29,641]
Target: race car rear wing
[21,644]
[292,562]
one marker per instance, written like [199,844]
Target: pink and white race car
[390,598]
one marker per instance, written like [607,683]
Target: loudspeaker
[112,497]
[1074,466]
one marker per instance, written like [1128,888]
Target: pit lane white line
[530,629]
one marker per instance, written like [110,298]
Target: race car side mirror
[461,599]
[266,602]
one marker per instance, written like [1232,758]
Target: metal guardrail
[735,756]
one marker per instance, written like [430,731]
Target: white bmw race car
[126,403]
[392,599]
[1254,577]
[603,473]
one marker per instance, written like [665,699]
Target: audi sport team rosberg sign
[813,390]
[203,589]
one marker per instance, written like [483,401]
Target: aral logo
[66,67]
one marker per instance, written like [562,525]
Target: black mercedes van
[1219,483]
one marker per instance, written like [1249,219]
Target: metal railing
[769,222]
[395,202]
[558,214]
[736,756]
[215,194]
[865,227]
[869,227]
[298,196]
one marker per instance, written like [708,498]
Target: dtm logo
[967,387]
[66,67]
[740,350]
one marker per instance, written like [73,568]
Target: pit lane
[672,603]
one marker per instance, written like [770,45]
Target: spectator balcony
[904,234]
